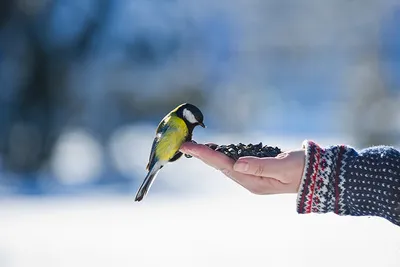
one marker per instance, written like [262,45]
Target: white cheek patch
[189,116]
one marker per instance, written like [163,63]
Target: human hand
[278,175]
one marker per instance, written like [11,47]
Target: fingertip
[241,166]
[243,163]
[247,159]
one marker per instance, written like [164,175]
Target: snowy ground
[216,223]
[234,229]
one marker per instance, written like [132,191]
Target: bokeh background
[84,83]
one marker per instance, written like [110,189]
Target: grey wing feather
[160,129]
[152,153]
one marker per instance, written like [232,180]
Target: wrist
[321,186]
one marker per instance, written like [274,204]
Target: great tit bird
[175,129]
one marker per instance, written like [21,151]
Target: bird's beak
[202,124]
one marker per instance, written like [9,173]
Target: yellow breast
[172,139]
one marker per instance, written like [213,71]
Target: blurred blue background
[78,76]
[84,83]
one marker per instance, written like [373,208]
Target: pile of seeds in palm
[235,151]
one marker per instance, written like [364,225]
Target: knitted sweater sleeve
[342,180]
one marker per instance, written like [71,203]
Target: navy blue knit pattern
[342,180]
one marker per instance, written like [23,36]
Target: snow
[224,227]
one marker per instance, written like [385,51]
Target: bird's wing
[160,129]
[153,150]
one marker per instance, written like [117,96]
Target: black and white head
[191,114]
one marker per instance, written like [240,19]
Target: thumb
[265,167]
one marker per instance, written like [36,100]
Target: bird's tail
[148,181]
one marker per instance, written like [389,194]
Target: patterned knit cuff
[321,189]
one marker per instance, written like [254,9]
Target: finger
[250,182]
[192,147]
[259,185]
[222,163]
[211,157]
[264,167]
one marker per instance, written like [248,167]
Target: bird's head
[191,114]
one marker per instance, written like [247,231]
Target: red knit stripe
[310,163]
[314,178]
[311,145]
